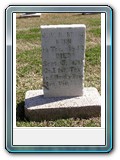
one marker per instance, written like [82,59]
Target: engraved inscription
[62,60]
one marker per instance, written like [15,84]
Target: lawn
[29,67]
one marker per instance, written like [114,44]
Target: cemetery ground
[29,62]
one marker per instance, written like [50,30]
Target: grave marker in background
[29,15]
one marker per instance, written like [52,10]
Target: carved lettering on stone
[63,50]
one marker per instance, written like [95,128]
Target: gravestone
[29,15]
[63,95]
[63,48]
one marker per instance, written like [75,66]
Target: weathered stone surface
[63,48]
[38,107]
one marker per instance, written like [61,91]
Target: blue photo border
[9,79]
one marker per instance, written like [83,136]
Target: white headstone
[63,52]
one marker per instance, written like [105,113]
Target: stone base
[38,107]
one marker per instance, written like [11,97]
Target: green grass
[27,36]
[93,55]
[71,122]
[29,62]
[96,32]
[30,34]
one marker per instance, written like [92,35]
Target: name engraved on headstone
[63,49]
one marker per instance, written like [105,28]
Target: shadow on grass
[20,114]
[86,13]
